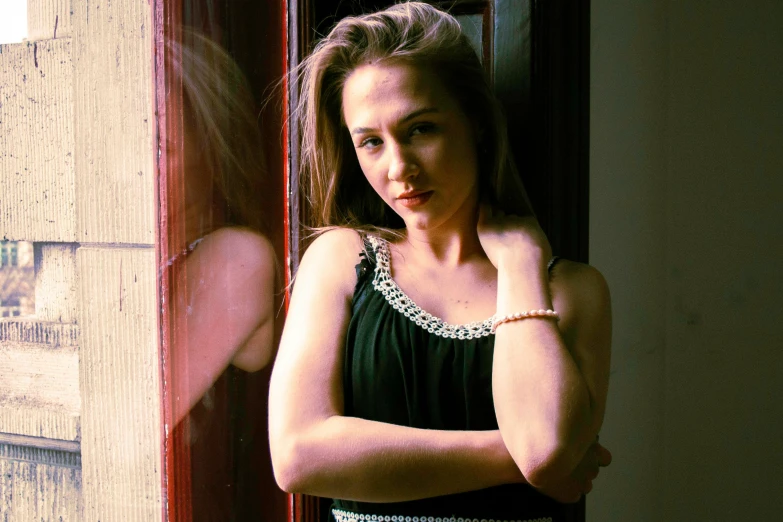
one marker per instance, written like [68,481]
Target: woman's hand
[505,236]
[580,481]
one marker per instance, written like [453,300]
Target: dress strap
[367,259]
[181,254]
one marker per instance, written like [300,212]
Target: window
[10,308]
[17,279]
[9,253]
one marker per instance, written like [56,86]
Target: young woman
[406,385]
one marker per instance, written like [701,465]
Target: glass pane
[224,237]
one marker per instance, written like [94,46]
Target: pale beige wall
[36,141]
[724,413]
[686,164]
[40,400]
[628,98]
[39,485]
[80,408]
[49,19]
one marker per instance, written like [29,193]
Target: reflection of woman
[392,392]
[224,277]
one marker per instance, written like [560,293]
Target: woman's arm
[318,451]
[550,379]
[225,293]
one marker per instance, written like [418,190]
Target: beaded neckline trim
[384,283]
[347,516]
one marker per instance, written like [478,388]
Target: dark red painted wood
[228,469]
[171,235]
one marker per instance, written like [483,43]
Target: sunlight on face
[414,143]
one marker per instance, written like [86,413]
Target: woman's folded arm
[315,448]
[550,379]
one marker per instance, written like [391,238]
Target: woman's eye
[370,142]
[422,128]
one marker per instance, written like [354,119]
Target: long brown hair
[413,32]
[220,114]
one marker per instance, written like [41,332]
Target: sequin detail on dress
[384,283]
[347,516]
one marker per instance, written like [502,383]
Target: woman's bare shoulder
[576,275]
[334,248]
[235,261]
[331,258]
[238,244]
[579,292]
[337,240]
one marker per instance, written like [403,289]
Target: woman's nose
[402,164]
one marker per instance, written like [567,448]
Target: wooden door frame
[559,122]
[170,127]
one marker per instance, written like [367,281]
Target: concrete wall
[80,390]
[628,189]
[686,193]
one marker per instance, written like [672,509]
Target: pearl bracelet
[524,315]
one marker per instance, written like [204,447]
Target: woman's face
[414,143]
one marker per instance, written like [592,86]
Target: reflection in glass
[225,272]
[223,277]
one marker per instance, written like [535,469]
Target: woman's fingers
[581,480]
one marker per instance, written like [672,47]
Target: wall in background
[686,193]
[628,189]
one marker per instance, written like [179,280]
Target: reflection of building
[17,279]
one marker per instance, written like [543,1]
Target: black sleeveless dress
[406,367]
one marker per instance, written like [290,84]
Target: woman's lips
[415,200]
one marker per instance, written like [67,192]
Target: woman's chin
[419,222]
